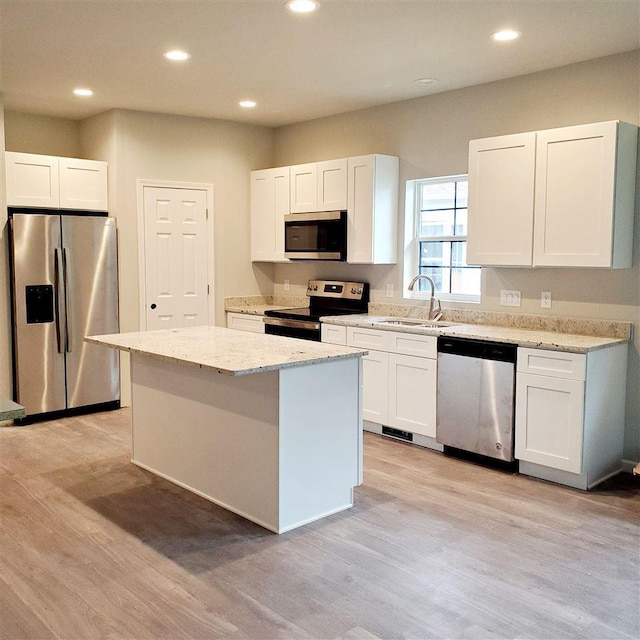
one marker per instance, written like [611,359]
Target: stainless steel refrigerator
[65,286]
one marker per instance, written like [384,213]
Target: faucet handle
[436,310]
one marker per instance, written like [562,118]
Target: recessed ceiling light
[176,55]
[425,81]
[247,104]
[505,34]
[302,6]
[83,92]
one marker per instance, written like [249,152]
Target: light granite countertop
[10,410]
[254,310]
[227,351]
[552,340]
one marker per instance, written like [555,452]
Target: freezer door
[38,312]
[90,272]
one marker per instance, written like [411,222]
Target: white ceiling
[349,55]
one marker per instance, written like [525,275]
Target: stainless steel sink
[414,322]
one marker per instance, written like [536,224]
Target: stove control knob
[315,287]
[353,290]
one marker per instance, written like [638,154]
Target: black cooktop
[328,298]
[308,313]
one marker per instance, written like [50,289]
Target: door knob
[153,306]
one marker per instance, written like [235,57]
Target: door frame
[141,183]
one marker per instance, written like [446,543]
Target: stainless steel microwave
[316,236]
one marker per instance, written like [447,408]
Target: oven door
[304,329]
[316,236]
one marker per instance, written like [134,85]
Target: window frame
[412,241]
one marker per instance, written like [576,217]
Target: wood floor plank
[91,546]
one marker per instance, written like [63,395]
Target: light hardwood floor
[94,547]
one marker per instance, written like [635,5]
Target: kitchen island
[265,426]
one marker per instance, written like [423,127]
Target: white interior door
[175,257]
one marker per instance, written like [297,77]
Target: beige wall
[180,149]
[431,136]
[31,133]
[6,381]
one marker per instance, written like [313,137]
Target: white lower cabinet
[412,394]
[333,333]
[399,387]
[375,387]
[245,322]
[569,425]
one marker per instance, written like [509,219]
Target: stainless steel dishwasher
[476,388]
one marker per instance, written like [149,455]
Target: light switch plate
[509,298]
[390,290]
[286,285]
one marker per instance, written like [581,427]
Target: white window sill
[444,297]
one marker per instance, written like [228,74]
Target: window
[436,238]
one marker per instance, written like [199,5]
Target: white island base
[281,448]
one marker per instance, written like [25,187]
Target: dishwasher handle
[483,349]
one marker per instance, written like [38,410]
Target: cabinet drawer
[555,364]
[412,344]
[333,334]
[245,322]
[368,338]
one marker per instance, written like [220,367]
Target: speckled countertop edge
[257,305]
[226,351]
[511,335]
[10,410]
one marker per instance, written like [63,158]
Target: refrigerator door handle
[57,269]
[67,334]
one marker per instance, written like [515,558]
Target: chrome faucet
[435,310]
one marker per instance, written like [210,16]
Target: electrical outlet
[545,299]
[286,285]
[509,298]
[389,291]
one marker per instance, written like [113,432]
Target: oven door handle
[292,324]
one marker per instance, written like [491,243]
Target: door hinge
[207,214]
[207,289]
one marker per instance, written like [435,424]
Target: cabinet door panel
[83,184]
[332,185]
[32,180]
[501,182]
[304,188]
[375,387]
[245,322]
[333,334]
[575,182]
[549,421]
[412,394]
[269,205]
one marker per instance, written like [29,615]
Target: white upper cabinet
[365,186]
[83,184]
[52,182]
[32,180]
[269,205]
[584,200]
[332,185]
[319,186]
[501,179]
[304,187]
[372,209]
[581,210]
